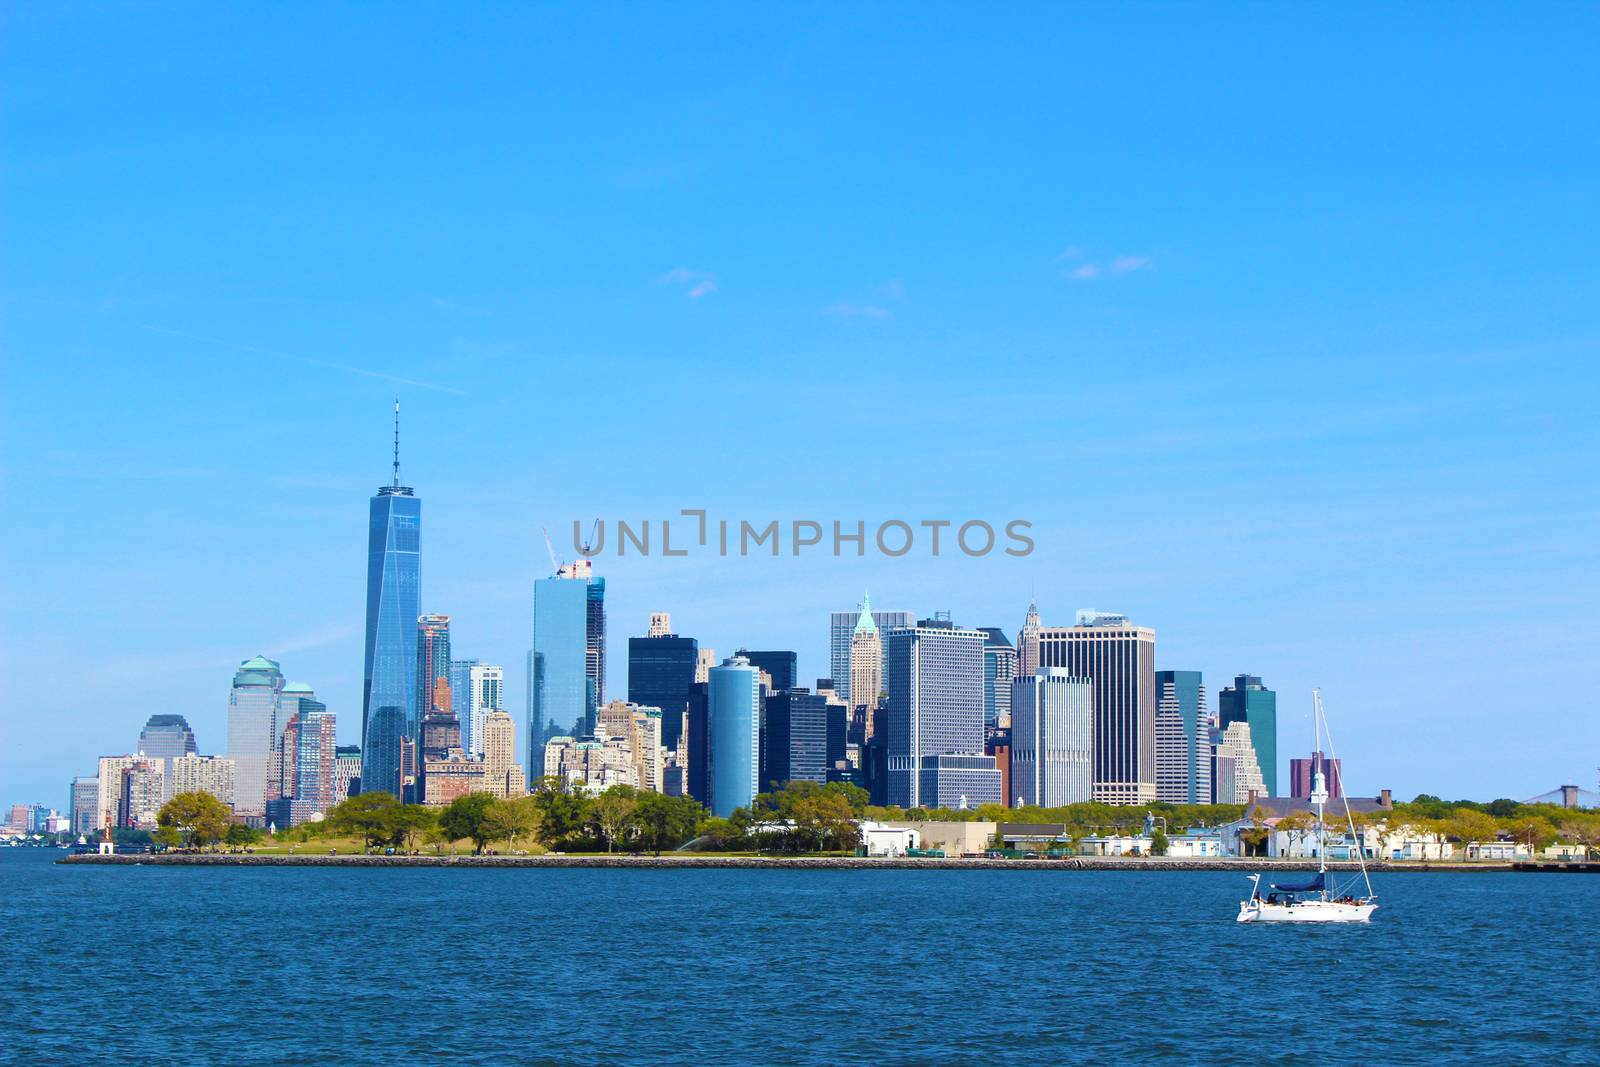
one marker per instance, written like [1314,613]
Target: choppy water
[278,965]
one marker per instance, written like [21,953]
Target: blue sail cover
[1312,886]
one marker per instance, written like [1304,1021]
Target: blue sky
[1280,326]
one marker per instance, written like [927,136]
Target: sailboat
[1317,900]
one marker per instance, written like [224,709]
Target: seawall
[825,863]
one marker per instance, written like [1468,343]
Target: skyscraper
[795,743]
[841,628]
[595,639]
[1301,772]
[1183,739]
[999,670]
[779,666]
[565,688]
[501,774]
[1052,736]
[661,669]
[166,737]
[1028,643]
[1119,659]
[314,761]
[1235,749]
[254,725]
[660,624]
[461,700]
[394,602]
[1247,700]
[85,804]
[193,773]
[734,734]
[433,665]
[485,692]
[346,772]
[865,679]
[933,672]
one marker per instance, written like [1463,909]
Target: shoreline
[826,863]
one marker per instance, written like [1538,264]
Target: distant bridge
[1568,796]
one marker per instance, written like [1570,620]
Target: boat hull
[1305,911]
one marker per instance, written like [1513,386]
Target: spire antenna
[397,442]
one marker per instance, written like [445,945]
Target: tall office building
[254,726]
[734,710]
[1052,738]
[999,671]
[84,804]
[461,701]
[166,737]
[1302,770]
[1183,739]
[697,742]
[285,762]
[389,714]
[315,761]
[1247,700]
[795,743]
[661,668]
[486,689]
[842,628]
[433,665]
[595,637]
[780,667]
[194,773]
[866,667]
[565,692]
[1119,658]
[140,792]
[108,788]
[501,774]
[660,624]
[1235,749]
[933,673]
[346,772]
[1028,643]
[704,660]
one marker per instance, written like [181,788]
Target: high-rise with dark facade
[1247,700]
[781,667]
[795,742]
[166,737]
[394,602]
[660,672]
[1119,659]
[999,671]
[1302,771]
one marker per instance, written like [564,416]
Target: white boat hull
[1305,911]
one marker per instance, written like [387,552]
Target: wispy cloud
[699,283]
[450,305]
[325,364]
[1088,269]
[858,311]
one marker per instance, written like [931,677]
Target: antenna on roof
[397,442]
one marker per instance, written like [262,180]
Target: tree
[1297,824]
[200,819]
[1466,826]
[854,795]
[666,822]
[1158,842]
[468,816]
[240,834]
[512,818]
[561,812]
[825,816]
[374,817]
[612,813]
[414,824]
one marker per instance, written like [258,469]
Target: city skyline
[1318,411]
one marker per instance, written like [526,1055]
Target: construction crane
[555,564]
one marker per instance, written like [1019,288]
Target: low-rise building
[1197,842]
[953,838]
[1503,851]
[1114,845]
[888,839]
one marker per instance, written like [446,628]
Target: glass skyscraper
[1247,700]
[564,688]
[253,728]
[999,670]
[166,737]
[933,673]
[1183,739]
[734,729]
[394,603]
[841,628]
[660,672]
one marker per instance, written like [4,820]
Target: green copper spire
[865,625]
